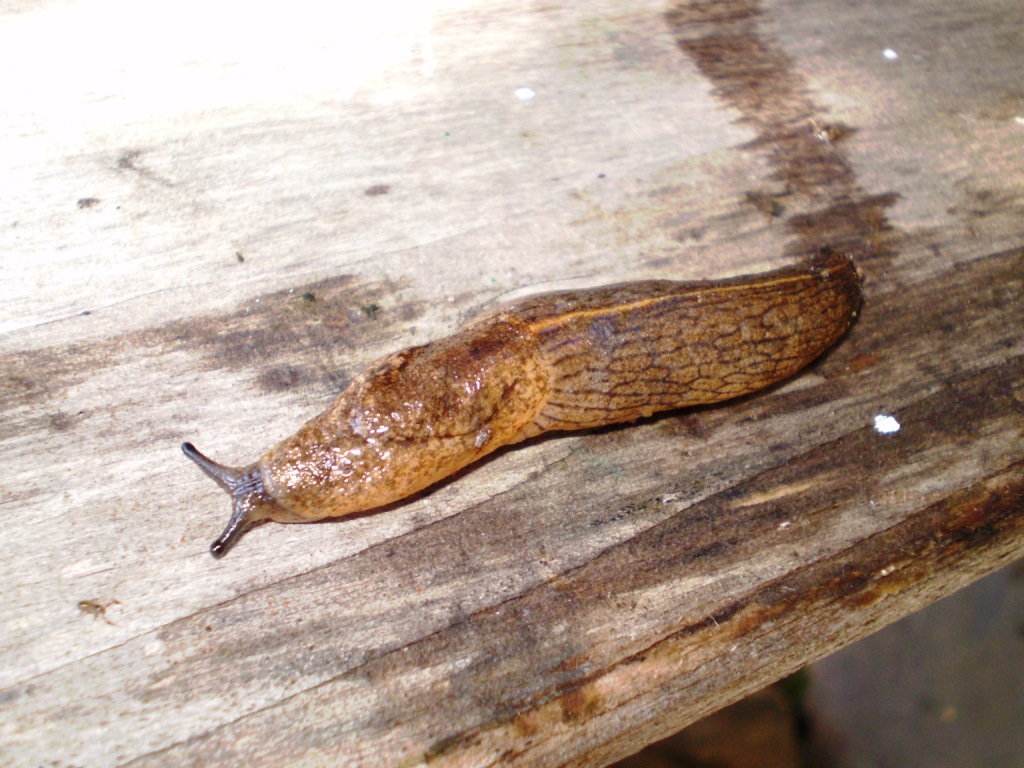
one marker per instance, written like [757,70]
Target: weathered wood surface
[205,239]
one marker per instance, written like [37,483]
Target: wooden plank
[215,265]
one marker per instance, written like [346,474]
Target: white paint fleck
[889,569]
[785,524]
[889,54]
[886,424]
[524,94]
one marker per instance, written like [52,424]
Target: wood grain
[207,241]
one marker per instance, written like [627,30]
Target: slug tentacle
[250,501]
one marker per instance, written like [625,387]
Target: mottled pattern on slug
[625,351]
[410,420]
[566,360]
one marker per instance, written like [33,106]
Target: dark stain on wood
[131,161]
[285,340]
[852,223]
[770,204]
[445,745]
[61,421]
[979,204]
[753,75]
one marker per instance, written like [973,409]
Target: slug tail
[249,499]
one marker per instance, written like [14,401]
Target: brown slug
[557,361]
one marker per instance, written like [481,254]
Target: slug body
[557,361]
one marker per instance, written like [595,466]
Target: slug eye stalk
[249,499]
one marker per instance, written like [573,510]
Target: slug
[556,361]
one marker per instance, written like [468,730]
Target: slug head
[250,501]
